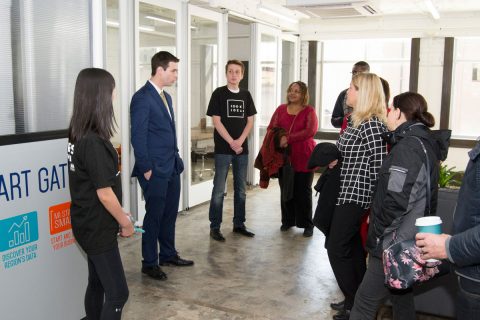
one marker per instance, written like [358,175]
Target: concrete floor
[276,275]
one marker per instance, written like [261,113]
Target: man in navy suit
[157,165]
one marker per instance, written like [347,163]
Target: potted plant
[449,183]
[449,178]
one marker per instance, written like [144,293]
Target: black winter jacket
[400,196]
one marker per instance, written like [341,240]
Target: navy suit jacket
[153,134]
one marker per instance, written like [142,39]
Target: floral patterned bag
[404,267]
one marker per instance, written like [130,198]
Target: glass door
[289,63]
[265,86]
[156,30]
[205,75]
[275,65]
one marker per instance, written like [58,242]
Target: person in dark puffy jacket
[400,197]
[463,247]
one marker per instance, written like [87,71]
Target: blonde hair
[370,99]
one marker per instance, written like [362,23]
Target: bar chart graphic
[18,231]
[21,233]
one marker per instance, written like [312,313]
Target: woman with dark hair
[300,122]
[96,193]
[400,198]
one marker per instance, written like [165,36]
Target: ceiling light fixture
[241,16]
[155,18]
[146,28]
[274,13]
[432,9]
[112,23]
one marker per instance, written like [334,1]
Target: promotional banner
[43,272]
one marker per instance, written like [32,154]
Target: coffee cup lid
[428,221]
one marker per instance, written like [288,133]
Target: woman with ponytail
[400,198]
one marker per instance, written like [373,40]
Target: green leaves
[448,177]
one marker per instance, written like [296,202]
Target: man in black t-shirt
[232,110]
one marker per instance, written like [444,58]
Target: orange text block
[59,216]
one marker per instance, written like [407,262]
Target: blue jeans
[468,299]
[222,164]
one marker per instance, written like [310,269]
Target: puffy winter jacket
[463,247]
[401,192]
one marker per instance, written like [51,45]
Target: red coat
[300,137]
[270,157]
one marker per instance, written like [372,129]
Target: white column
[127,88]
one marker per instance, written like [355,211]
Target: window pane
[466,88]
[341,50]
[7,115]
[112,62]
[288,68]
[157,28]
[204,80]
[45,35]
[268,62]
[388,58]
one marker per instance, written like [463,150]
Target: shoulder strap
[291,126]
[427,165]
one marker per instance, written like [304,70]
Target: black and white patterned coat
[363,150]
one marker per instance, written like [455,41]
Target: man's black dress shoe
[342,315]
[338,306]
[215,234]
[177,261]
[244,231]
[154,272]
[308,232]
[285,227]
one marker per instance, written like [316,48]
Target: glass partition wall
[205,70]
[157,32]
[204,79]
[275,59]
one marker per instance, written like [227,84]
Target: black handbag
[288,180]
[402,262]
[288,173]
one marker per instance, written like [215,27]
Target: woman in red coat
[300,122]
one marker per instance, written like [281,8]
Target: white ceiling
[401,7]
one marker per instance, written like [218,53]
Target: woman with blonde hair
[362,149]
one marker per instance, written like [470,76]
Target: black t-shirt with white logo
[233,109]
[92,165]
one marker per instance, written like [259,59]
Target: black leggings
[107,289]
